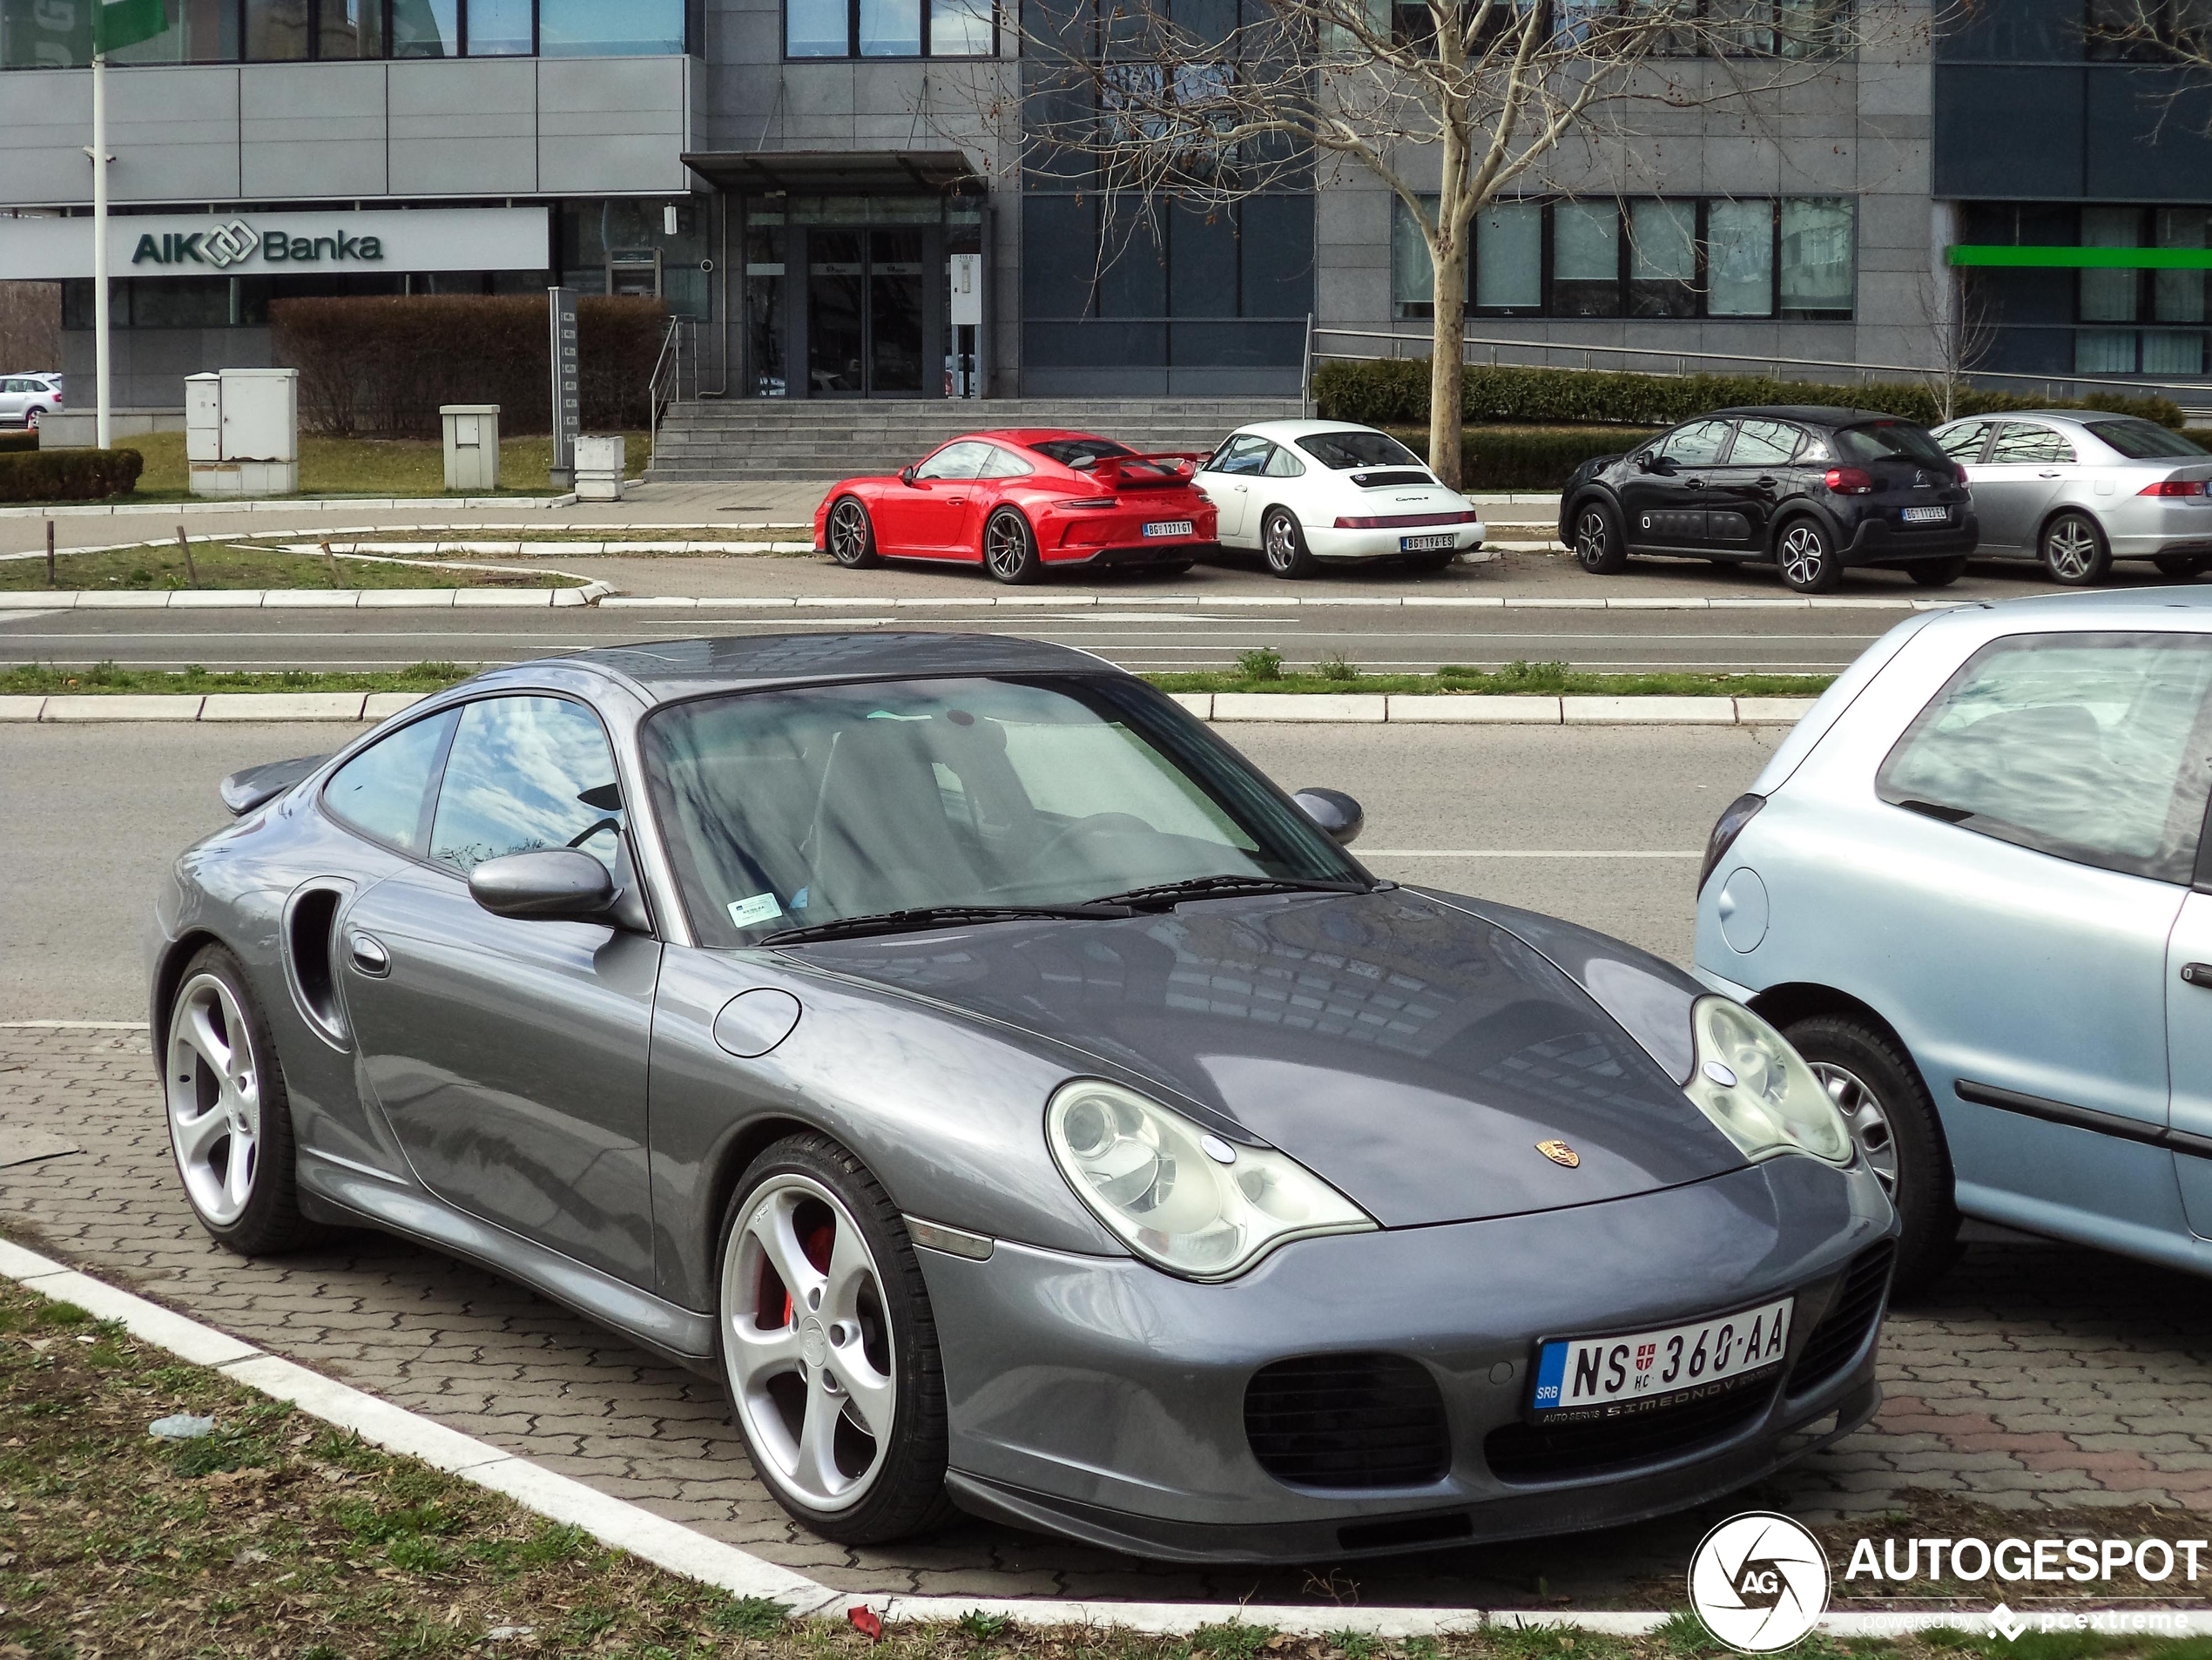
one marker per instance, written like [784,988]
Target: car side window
[2095,748]
[384,791]
[1244,456]
[1764,443]
[1002,463]
[1698,445]
[959,460]
[1963,443]
[526,773]
[1282,464]
[2020,444]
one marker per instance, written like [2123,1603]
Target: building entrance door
[867,311]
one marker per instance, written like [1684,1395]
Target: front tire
[1283,540]
[229,1118]
[1805,554]
[30,421]
[828,1346]
[851,535]
[1010,548]
[1939,573]
[1600,546]
[2074,550]
[1877,1089]
[2182,567]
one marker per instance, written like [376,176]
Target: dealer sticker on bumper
[1168,527]
[1608,1375]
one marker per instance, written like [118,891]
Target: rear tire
[2075,551]
[851,535]
[31,420]
[1806,554]
[1939,573]
[1875,1085]
[2182,567]
[1600,546]
[1009,547]
[1282,539]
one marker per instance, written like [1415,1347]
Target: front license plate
[1168,527]
[1603,1377]
[1425,544]
[1927,515]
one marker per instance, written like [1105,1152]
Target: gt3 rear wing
[1165,468]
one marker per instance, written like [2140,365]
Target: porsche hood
[1428,1063]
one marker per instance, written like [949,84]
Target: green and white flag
[117,24]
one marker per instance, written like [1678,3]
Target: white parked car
[25,399]
[1303,492]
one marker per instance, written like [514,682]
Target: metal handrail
[2200,389]
[665,385]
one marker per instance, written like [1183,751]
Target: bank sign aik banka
[236,244]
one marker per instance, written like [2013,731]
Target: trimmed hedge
[69,475]
[382,364]
[1498,458]
[1394,391]
[12,443]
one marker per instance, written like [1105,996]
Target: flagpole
[104,425]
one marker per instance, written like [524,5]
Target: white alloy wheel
[1870,1124]
[807,1340]
[215,1089]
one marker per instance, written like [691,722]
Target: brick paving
[2035,1378]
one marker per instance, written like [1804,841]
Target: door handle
[956,501]
[369,956]
[1768,483]
[1240,490]
[2050,474]
[2198,974]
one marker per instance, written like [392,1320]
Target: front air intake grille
[1348,1420]
[1842,1331]
[1543,1451]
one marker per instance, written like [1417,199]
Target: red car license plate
[1168,527]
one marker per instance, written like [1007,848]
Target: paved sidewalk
[2037,1378]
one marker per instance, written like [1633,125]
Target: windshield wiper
[930,917]
[1166,894]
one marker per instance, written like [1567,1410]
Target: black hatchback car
[1811,491]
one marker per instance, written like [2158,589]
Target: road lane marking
[1521,853]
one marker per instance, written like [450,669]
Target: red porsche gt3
[1023,501]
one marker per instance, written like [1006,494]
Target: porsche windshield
[786,809]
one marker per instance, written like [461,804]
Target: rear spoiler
[1112,468]
[253,787]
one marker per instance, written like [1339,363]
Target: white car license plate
[1927,515]
[1425,544]
[1581,1377]
[1168,527]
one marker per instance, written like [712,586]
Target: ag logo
[1759,1581]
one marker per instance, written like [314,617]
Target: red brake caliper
[816,1245]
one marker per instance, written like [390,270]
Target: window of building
[1585,259]
[1663,258]
[1509,258]
[890,29]
[1739,259]
[593,29]
[501,28]
[2148,30]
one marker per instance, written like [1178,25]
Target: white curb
[62,599]
[670,1545]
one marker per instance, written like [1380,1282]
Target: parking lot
[2035,1378]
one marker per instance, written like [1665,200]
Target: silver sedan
[2078,489]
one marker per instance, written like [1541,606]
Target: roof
[1811,414]
[900,172]
[667,669]
[1289,430]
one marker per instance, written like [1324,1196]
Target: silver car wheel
[1870,1124]
[1282,542]
[1803,552]
[2071,547]
[848,532]
[215,1089]
[1592,537]
[807,1341]
[1006,545]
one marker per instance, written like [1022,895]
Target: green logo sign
[237,243]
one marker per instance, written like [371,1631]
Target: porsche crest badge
[1560,1153]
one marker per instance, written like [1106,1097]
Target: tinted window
[382,790]
[1243,454]
[1699,444]
[955,460]
[526,773]
[1963,443]
[1070,451]
[1891,441]
[1003,463]
[2092,747]
[1764,443]
[1282,464]
[1345,450]
[2146,441]
[2019,444]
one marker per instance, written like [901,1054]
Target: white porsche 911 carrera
[1305,492]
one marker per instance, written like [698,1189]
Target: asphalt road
[1535,816]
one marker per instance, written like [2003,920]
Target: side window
[1244,455]
[2019,444]
[1698,445]
[2090,747]
[955,462]
[526,773]
[1963,443]
[1764,443]
[383,791]
[1282,464]
[1003,463]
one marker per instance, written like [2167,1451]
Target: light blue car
[1972,888]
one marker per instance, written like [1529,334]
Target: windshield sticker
[751,913]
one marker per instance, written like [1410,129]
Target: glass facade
[1795,258]
[58,34]
[2048,317]
[890,29]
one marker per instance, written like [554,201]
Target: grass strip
[46,681]
[276,1535]
[158,565]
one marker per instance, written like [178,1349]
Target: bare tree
[1151,102]
[1961,332]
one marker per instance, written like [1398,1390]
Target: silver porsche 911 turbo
[1019,1102]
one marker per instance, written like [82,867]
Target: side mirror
[556,884]
[1338,814]
[907,473]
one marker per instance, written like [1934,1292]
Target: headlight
[1183,1199]
[1758,1090]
